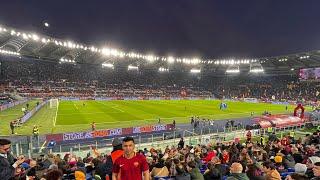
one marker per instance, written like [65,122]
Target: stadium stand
[43,79]
[276,159]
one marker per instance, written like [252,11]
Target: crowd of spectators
[272,159]
[40,78]
[110,91]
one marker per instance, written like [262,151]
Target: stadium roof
[28,44]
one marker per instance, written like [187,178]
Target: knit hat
[314,159]
[116,142]
[277,159]
[300,168]
[25,165]
[79,175]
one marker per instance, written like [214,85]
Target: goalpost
[54,103]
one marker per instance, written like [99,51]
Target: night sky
[184,28]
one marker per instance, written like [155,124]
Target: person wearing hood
[194,171]
[236,172]
[115,154]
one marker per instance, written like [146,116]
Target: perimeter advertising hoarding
[105,133]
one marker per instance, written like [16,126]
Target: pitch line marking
[65,114]
[9,115]
[55,117]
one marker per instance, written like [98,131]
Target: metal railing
[32,146]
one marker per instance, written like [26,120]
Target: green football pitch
[72,116]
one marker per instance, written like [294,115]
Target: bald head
[236,168]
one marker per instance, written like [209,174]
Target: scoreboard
[311,74]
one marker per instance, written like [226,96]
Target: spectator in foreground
[131,165]
[7,167]
[115,154]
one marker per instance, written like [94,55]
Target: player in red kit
[131,165]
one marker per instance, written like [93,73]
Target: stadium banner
[76,136]
[69,98]
[107,133]
[175,98]
[252,100]
[154,98]
[131,98]
[102,98]
[279,102]
[165,98]
[32,112]
[6,106]
[278,121]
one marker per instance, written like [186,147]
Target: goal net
[54,103]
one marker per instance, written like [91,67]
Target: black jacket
[213,175]
[6,169]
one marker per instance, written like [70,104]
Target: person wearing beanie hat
[278,159]
[300,168]
[314,159]
[310,164]
[25,165]
[79,175]
[115,154]
[116,142]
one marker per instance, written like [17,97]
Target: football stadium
[157,94]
